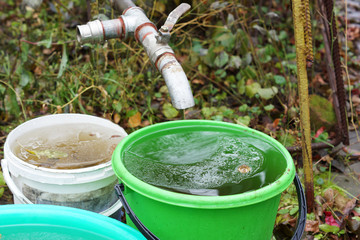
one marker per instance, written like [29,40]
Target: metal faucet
[134,22]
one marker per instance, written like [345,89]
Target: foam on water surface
[199,162]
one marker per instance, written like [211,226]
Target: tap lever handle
[174,16]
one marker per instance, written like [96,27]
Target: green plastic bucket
[47,222]
[172,215]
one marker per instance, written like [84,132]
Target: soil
[7,197]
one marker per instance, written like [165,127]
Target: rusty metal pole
[299,28]
[335,51]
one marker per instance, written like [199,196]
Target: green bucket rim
[194,201]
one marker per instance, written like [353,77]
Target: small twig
[52,44]
[130,48]
[78,95]
[216,83]
[196,20]
[68,10]
[41,102]
[36,61]
[87,76]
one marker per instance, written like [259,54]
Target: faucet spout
[135,23]
[176,81]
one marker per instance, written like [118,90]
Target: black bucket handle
[119,188]
[300,225]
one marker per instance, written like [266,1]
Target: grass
[47,71]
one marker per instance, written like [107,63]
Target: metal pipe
[99,31]
[91,32]
[122,5]
[162,56]
[176,81]
[340,90]
[135,23]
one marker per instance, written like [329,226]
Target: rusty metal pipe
[162,56]
[340,90]
[135,23]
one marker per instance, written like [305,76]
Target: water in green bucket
[200,162]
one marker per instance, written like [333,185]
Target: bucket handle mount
[300,225]
[119,188]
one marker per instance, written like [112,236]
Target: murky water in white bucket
[89,188]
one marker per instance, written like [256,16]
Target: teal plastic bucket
[172,215]
[48,222]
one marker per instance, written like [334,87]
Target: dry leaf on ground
[135,120]
[312,226]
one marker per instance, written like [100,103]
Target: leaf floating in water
[51,153]
[244,169]
[46,153]
[31,152]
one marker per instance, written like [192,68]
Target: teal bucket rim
[23,215]
[195,201]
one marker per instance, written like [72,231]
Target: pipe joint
[92,32]
[148,38]
[134,17]
[98,31]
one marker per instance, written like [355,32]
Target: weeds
[240,61]
[235,59]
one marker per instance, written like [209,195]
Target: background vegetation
[238,56]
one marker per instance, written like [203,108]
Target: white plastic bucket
[90,188]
